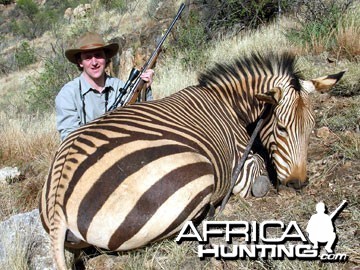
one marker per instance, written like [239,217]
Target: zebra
[137,174]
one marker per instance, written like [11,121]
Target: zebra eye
[282,130]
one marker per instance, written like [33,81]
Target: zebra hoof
[261,186]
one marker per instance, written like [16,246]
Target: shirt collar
[85,87]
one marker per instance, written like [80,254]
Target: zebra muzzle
[297,184]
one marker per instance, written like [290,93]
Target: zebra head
[292,121]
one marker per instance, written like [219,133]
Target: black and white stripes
[138,173]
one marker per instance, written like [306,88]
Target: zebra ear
[322,84]
[273,96]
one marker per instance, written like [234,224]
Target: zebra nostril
[294,183]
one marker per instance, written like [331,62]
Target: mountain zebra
[138,173]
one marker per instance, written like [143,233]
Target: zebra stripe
[137,174]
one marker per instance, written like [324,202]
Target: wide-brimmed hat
[88,42]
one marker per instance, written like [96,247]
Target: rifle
[134,82]
[338,209]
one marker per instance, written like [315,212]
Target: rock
[8,174]
[107,262]
[323,132]
[78,12]
[68,14]
[81,10]
[126,63]
[24,244]
[261,186]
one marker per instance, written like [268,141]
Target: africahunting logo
[256,243]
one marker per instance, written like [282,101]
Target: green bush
[120,5]
[57,71]
[319,21]
[6,2]
[225,15]
[61,5]
[211,19]
[190,41]
[24,55]
[32,20]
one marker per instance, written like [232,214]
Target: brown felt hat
[88,42]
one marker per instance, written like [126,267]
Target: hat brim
[110,50]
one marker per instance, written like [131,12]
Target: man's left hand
[147,77]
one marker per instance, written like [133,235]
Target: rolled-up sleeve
[67,115]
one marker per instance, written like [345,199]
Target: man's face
[93,63]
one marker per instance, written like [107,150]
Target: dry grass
[347,36]
[19,250]
[18,256]
[29,142]
[171,76]
[27,138]
[348,41]
[342,42]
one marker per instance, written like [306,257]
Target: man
[92,93]
[321,229]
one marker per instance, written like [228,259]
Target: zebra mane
[272,64]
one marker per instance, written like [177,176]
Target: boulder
[9,174]
[24,243]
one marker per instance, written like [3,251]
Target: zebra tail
[57,236]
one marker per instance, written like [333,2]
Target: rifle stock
[135,88]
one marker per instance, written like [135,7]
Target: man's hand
[147,77]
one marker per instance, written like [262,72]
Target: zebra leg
[253,178]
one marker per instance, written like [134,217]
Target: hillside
[28,136]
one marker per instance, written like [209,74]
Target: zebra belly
[148,204]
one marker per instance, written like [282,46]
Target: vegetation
[115,4]
[44,86]
[225,15]
[33,21]
[190,42]
[6,2]
[322,27]
[24,55]
[325,37]
[194,35]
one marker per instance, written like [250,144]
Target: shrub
[190,41]
[208,20]
[319,22]
[6,2]
[33,20]
[239,13]
[347,35]
[114,4]
[24,55]
[57,71]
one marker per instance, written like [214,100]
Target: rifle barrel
[155,52]
[130,97]
[136,87]
[338,209]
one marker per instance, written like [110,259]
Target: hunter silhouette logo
[251,239]
[321,227]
